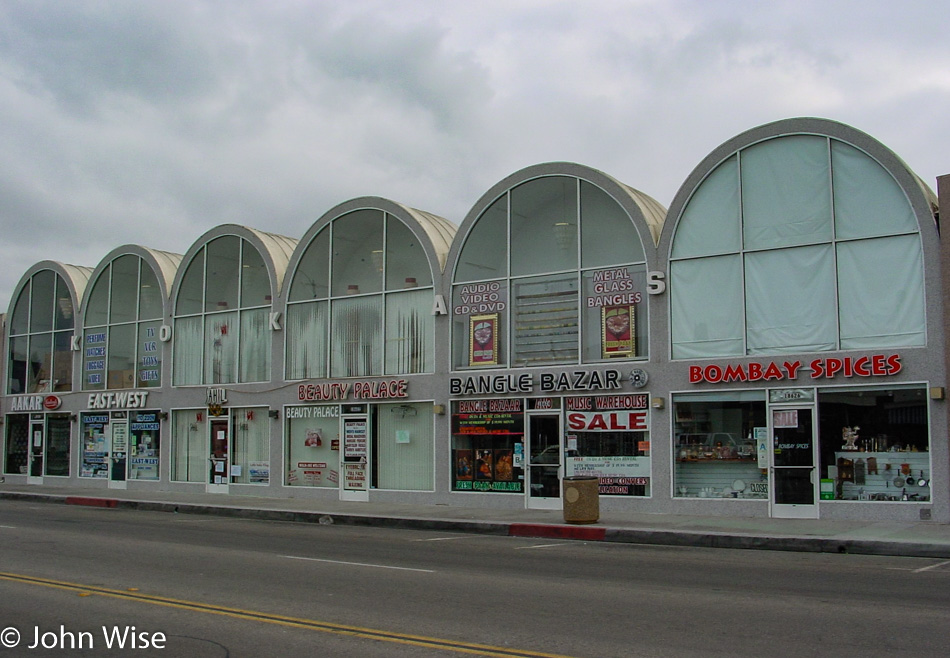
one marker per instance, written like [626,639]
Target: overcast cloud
[151,122]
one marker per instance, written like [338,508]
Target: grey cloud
[85,54]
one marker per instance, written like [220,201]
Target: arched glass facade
[360,301]
[771,344]
[222,316]
[800,243]
[40,330]
[552,272]
[121,326]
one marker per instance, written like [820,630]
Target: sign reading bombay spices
[876,365]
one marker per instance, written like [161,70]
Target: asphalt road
[210,586]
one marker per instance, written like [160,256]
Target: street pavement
[912,539]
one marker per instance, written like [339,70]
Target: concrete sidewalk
[920,539]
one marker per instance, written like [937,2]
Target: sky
[150,123]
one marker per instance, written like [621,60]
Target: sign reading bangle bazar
[877,365]
[548,382]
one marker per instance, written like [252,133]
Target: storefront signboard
[35,403]
[630,421]
[118,400]
[322,411]
[547,382]
[489,417]
[376,389]
[877,365]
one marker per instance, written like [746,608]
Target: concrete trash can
[581,499]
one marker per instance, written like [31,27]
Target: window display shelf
[881,475]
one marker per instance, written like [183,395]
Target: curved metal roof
[280,248]
[76,277]
[441,231]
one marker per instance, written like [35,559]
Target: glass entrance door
[219,476]
[119,429]
[545,461]
[356,459]
[37,449]
[793,483]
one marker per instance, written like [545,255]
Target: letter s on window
[656,282]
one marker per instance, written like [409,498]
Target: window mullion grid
[328,325]
[383,294]
[509,320]
[136,364]
[742,256]
[834,244]
[578,343]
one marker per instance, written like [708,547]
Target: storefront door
[356,458]
[37,449]
[545,461]
[119,428]
[792,478]
[219,475]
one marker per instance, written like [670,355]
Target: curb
[645,536]
[91,502]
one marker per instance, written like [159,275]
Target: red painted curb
[91,502]
[556,531]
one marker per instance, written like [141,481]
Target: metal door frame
[543,502]
[787,510]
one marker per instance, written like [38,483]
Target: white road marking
[12,527]
[932,566]
[356,564]
[518,548]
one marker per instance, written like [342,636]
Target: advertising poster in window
[95,450]
[355,477]
[610,439]
[145,431]
[488,448]
[618,329]
[483,340]
[355,440]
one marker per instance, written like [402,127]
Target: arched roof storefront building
[361,345]
[551,272]
[124,307]
[773,345]
[805,327]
